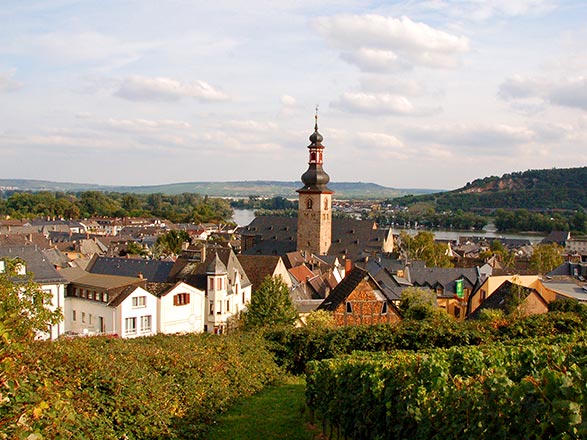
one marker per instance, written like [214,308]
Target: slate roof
[434,277]
[390,284]
[273,235]
[195,273]
[153,270]
[36,263]
[558,237]
[568,288]
[15,240]
[570,270]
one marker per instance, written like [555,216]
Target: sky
[410,94]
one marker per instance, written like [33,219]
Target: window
[105,297]
[219,284]
[139,301]
[90,319]
[83,317]
[326,204]
[349,307]
[211,307]
[145,324]
[243,296]
[74,315]
[181,299]
[82,293]
[309,204]
[227,306]
[130,325]
[219,307]
[211,284]
[384,309]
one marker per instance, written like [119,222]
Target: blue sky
[411,94]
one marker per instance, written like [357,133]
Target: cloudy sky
[411,94]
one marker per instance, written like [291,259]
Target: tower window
[326,204]
[309,203]
[349,307]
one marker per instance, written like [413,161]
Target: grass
[276,413]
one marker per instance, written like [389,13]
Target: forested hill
[532,189]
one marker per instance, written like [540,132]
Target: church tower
[315,202]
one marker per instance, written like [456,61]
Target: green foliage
[546,257]
[531,390]
[320,319]
[171,243]
[177,208]
[430,219]
[423,247]
[417,303]
[294,348]
[147,388]
[25,308]
[532,189]
[271,305]
[568,305]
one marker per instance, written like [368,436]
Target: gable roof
[498,299]
[257,267]
[155,271]
[434,277]
[37,263]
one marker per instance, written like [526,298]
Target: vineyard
[147,388]
[531,390]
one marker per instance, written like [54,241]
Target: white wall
[127,310]
[185,318]
[87,314]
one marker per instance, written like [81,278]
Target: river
[243,217]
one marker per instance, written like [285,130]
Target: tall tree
[271,305]
[546,257]
[423,247]
[24,306]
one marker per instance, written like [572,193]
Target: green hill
[219,189]
[533,189]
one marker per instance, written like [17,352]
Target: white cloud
[480,10]
[476,139]
[391,85]
[374,60]
[7,81]
[569,92]
[374,104]
[288,101]
[90,47]
[382,145]
[376,39]
[139,88]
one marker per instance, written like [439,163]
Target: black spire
[315,178]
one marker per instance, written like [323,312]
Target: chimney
[348,265]
[140,275]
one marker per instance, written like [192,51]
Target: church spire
[315,178]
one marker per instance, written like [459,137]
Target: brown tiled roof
[301,273]
[257,267]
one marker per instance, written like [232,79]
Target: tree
[171,242]
[24,306]
[320,319]
[422,246]
[546,257]
[271,305]
[417,303]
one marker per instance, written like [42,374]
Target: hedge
[498,392]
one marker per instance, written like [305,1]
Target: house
[359,299]
[221,276]
[108,304]
[490,285]
[182,309]
[513,297]
[43,273]
[451,285]
[257,267]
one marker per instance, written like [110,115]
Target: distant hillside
[532,189]
[220,189]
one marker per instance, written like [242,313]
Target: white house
[109,304]
[182,309]
[221,276]
[43,273]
